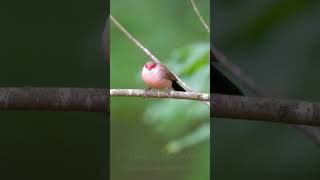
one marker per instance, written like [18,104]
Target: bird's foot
[168,92]
[145,93]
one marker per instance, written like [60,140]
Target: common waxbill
[157,76]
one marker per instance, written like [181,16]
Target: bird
[158,76]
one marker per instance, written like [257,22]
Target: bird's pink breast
[153,79]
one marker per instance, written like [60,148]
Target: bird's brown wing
[166,73]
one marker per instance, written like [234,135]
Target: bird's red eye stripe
[150,66]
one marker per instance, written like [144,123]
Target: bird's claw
[168,92]
[146,92]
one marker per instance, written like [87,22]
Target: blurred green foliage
[143,131]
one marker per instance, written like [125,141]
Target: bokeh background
[277,42]
[159,139]
[53,44]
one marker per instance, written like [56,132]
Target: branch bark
[77,99]
[160,94]
[265,109]
[54,99]
[97,100]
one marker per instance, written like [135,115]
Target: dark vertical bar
[212,58]
[53,43]
[106,45]
[277,45]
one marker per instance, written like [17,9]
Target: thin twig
[136,42]
[199,16]
[160,94]
[242,78]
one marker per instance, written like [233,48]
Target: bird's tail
[177,87]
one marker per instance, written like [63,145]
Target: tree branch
[160,94]
[76,99]
[54,99]
[97,100]
[265,109]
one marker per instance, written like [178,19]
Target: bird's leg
[146,92]
[168,92]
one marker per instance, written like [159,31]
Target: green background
[277,43]
[53,44]
[138,144]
